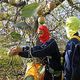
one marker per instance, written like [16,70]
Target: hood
[72,26]
[46,34]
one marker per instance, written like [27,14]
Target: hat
[72,26]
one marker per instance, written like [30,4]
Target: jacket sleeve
[43,50]
[50,48]
[25,52]
[68,61]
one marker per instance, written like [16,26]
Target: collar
[77,37]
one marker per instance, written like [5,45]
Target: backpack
[71,68]
[76,63]
[35,69]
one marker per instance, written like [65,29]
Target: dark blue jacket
[49,48]
[68,58]
[76,63]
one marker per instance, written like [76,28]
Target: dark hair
[77,34]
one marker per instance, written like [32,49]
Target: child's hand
[15,51]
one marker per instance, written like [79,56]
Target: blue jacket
[49,48]
[76,63]
[68,58]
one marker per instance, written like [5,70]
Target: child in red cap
[48,49]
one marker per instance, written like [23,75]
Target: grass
[11,68]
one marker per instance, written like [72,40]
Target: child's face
[40,32]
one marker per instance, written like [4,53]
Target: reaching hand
[15,50]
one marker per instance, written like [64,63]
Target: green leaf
[29,10]
[23,25]
[15,36]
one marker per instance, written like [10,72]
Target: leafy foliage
[10,67]
[16,36]
[29,10]
[21,25]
